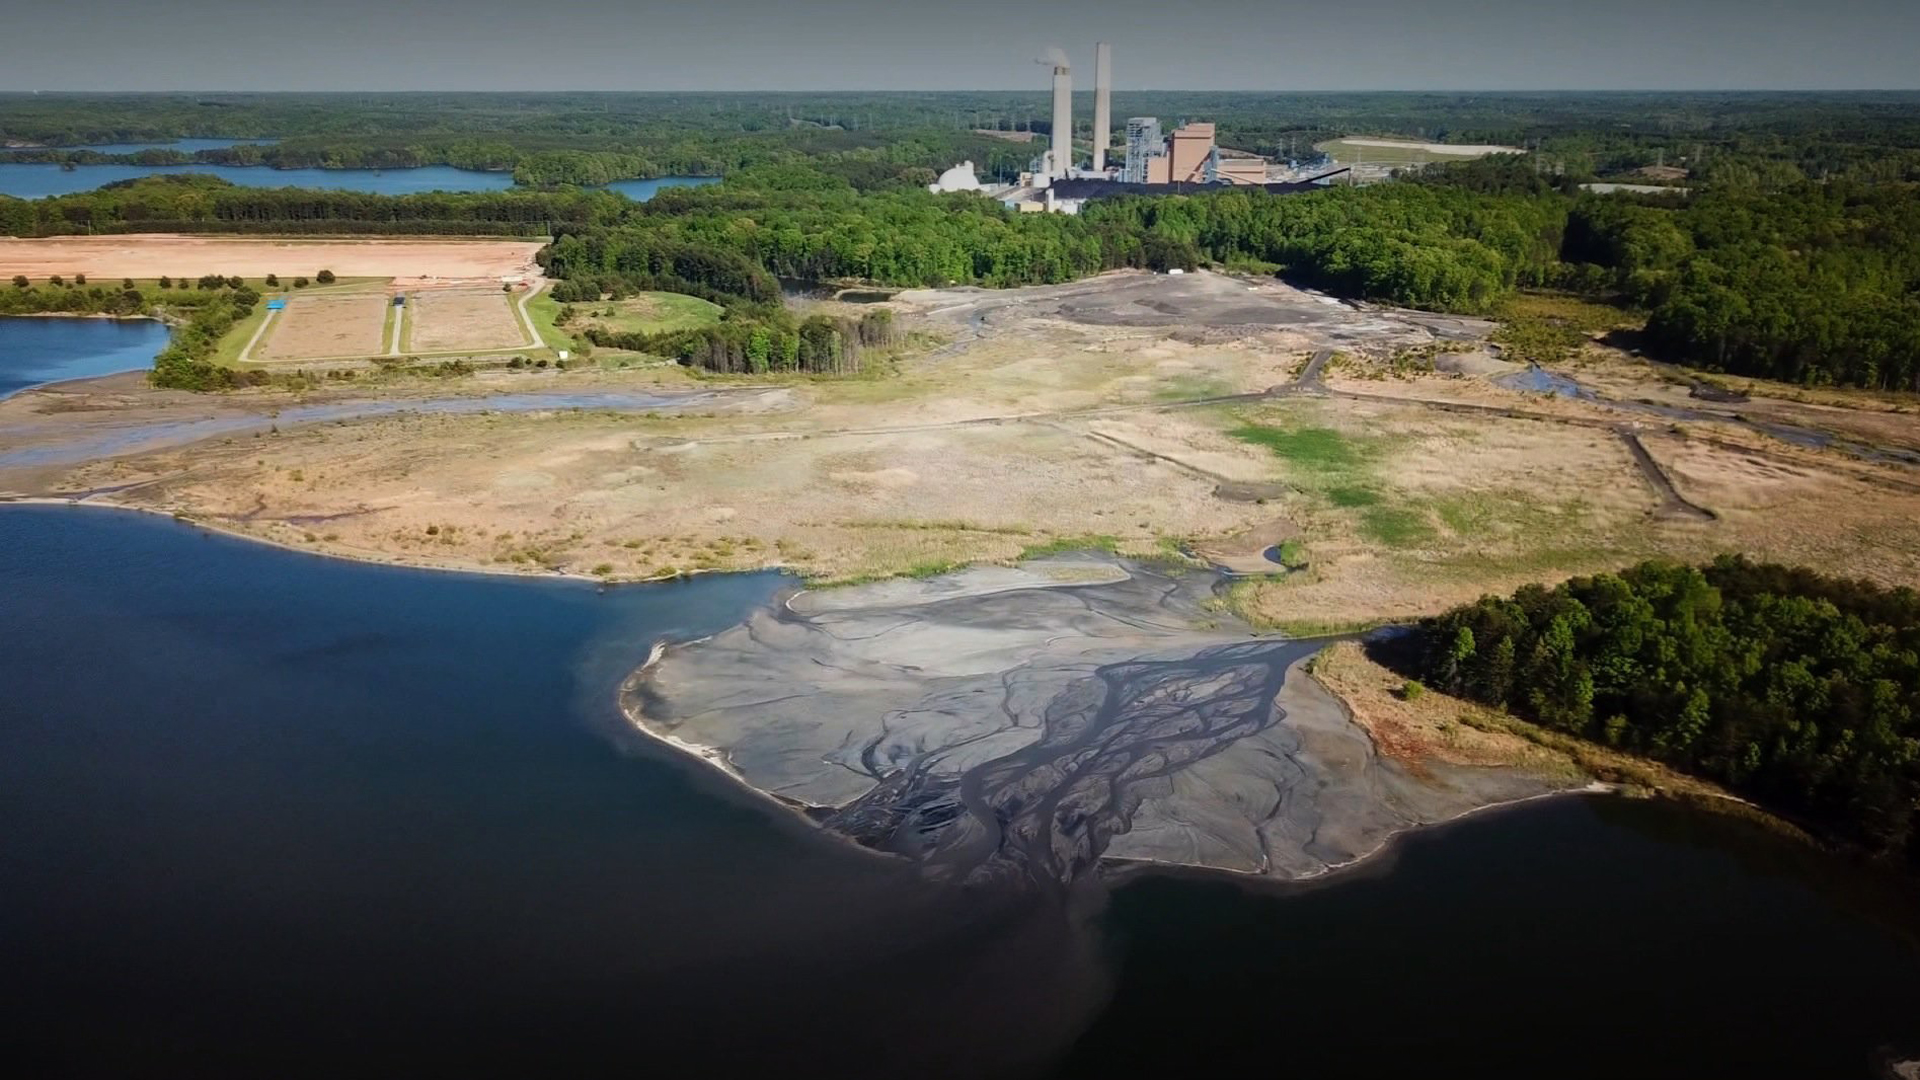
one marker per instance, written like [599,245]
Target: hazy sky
[957,44]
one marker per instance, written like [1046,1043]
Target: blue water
[39,350]
[185,146]
[642,190]
[268,814]
[37,180]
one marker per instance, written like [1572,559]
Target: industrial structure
[1060,157]
[1187,159]
[1188,156]
[1102,107]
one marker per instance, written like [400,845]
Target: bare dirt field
[1142,413]
[348,324]
[445,320]
[1405,151]
[152,255]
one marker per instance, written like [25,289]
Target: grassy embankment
[645,313]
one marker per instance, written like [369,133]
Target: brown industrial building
[1190,156]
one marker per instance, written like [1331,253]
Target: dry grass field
[345,324]
[448,320]
[1148,415]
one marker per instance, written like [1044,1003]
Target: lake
[38,180]
[642,190]
[35,350]
[274,814]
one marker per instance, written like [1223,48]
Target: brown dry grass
[1435,727]
[944,460]
[1428,727]
[578,492]
[453,319]
[149,255]
[326,325]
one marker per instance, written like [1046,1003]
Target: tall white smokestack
[1061,156]
[1102,108]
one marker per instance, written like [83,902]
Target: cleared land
[1405,152]
[350,324]
[447,320]
[150,255]
[1141,413]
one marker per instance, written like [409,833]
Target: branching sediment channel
[1019,725]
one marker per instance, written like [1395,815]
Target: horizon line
[1002,90]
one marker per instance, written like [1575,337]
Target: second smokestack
[1102,108]
[1062,117]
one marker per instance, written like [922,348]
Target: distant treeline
[190,203]
[1764,139]
[1799,690]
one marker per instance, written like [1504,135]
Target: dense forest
[1799,690]
[1764,138]
[207,204]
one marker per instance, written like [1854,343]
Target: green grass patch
[1352,496]
[1070,543]
[1396,526]
[1293,554]
[644,313]
[925,568]
[1315,449]
[544,309]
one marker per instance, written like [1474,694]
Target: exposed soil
[151,255]
[446,320]
[346,324]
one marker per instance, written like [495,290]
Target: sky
[958,44]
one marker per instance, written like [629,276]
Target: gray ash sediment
[1018,725]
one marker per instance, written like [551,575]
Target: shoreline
[103,502]
[715,759]
[1113,868]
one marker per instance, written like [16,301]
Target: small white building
[959,178]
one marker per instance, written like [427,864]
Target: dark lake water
[642,190]
[271,814]
[39,350]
